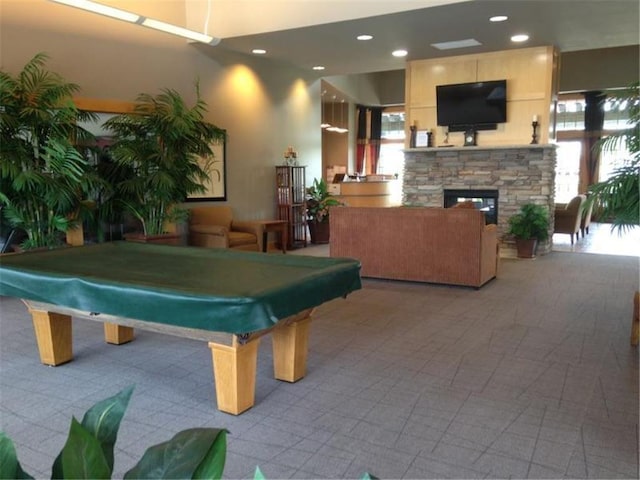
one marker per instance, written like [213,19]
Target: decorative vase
[526,247]
[319,231]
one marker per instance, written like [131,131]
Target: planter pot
[163,239]
[319,231]
[526,248]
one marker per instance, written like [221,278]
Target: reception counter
[383,193]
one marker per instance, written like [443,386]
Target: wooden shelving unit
[290,192]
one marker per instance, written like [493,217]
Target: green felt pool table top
[210,289]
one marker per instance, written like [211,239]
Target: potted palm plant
[166,145]
[528,227]
[318,203]
[618,198]
[43,176]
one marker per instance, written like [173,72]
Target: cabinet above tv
[531,78]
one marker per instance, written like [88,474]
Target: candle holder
[534,136]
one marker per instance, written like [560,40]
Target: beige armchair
[568,216]
[214,227]
[586,219]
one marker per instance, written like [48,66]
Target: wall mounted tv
[472,106]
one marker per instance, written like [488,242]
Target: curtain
[593,125]
[374,137]
[361,136]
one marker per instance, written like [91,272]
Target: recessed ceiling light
[318,67]
[364,37]
[399,53]
[520,38]
[258,51]
[498,18]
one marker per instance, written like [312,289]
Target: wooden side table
[279,226]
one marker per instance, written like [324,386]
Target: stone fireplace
[519,174]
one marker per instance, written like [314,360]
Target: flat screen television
[472,106]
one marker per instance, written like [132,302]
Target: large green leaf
[9,464]
[102,421]
[212,465]
[180,457]
[82,455]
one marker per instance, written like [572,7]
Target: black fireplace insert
[484,200]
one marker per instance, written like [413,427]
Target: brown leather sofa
[449,246]
[567,217]
[214,227]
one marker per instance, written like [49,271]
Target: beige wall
[264,106]
[531,89]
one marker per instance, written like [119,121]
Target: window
[571,114]
[391,161]
[567,178]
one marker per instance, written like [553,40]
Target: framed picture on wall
[216,185]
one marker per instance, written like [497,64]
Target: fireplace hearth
[484,200]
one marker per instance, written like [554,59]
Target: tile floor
[601,239]
[531,376]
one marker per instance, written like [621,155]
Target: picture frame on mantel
[216,185]
[423,138]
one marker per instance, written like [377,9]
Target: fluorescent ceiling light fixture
[522,37]
[399,53]
[95,7]
[364,37]
[258,51]
[498,18]
[318,67]
[182,32]
[101,9]
[467,42]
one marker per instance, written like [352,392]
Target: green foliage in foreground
[617,199]
[88,452]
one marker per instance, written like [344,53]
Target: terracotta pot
[319,231]
[526,247]
[163,239]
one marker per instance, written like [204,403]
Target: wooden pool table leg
[117,334]
[234,368]
[290,346]
[54,337]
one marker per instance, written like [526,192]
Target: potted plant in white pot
[528,227]
[167,146]
[44,178]
[318,204]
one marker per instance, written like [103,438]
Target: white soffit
[232,18]
[468,42]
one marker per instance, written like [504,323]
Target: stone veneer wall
[521,173]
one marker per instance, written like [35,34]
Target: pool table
[225,297]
